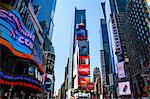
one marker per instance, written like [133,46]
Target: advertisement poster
[84,70]
[15,32]
[124,88]
[81,34]
[84,60]
[83,48]
[121,71]
[83,81]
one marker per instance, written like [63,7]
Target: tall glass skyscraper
[79,64]
[79,17]
[46,20]
[115,22]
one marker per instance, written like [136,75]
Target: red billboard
[84,66]
[84,70]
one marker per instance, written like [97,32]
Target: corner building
[21,59]
[22,69]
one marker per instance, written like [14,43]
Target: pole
[9,97]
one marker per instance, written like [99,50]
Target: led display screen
[84,70]
[124,88]
[83,48]
[18,78]
[83,81]
[81,34]
[121,71]
[14,31]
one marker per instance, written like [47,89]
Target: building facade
[115,25]
[80,64]
[138,48]
[108,56]
[21,44]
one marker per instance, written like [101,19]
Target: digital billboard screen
[15,32]
[124,88]
[121,71]
[81,34]
[84,60]
[84,70]
[83,48]
[83,81]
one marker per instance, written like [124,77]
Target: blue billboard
[15,32]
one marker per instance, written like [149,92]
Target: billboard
[84,70]
[121,71]
[14,31]
[84,60]
[83,81]
[81,34]
[83,48]
[124,88]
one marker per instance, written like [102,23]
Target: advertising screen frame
[124,86]
[83,48]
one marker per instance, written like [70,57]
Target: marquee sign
[18,78]
[14,31]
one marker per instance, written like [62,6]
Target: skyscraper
[79,17]
[108,68]
[115,25]
[79,69]
[48,8]
[45,13]
[138,44]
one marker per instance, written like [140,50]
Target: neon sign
[15,32]
[15,78]
[21,84]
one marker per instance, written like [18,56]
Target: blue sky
[64,15]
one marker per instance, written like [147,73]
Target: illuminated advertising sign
[37,52]
[21,84]
[121,71]
[124,88]
[84,60]
[14,31]
[83,48]
[18,78]
[84,70]
[81,34]
[83,81]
